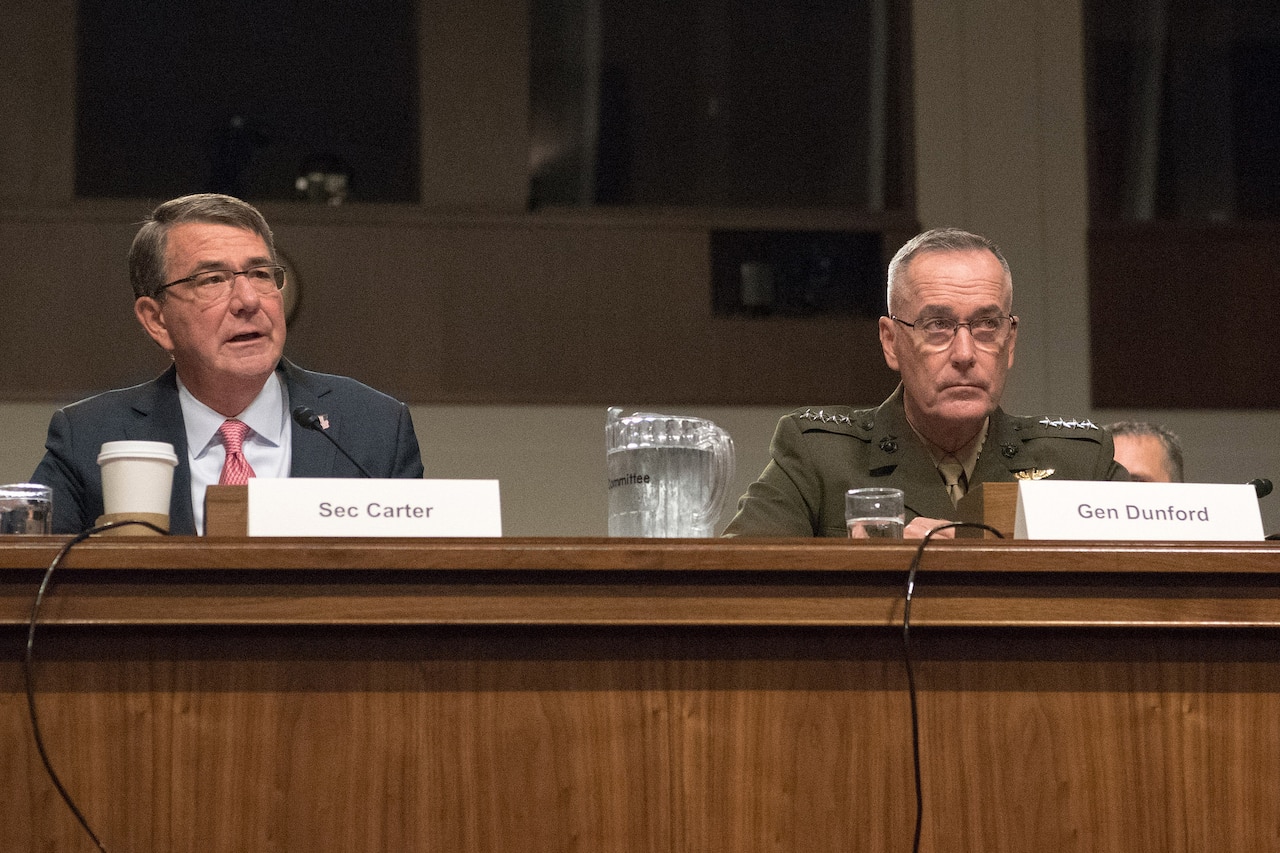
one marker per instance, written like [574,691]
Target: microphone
[308,419]
[1262,486]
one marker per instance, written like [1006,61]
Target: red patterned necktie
[236,470]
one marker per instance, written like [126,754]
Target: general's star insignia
[1059,423]
[822,417]
[1033,473]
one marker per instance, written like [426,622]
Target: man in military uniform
[950,334]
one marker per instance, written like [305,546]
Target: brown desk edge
[601,581]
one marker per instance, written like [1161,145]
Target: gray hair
[941,240]
[147,254]
[1169,441]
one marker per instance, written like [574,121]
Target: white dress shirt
[267,446]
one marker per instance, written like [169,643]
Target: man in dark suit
[207,285]
[1151,453]
[950,333]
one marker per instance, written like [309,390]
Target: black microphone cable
[28,668]
[906,657]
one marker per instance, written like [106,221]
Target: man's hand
[920,525]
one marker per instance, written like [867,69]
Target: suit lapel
[313,455]
[160,419]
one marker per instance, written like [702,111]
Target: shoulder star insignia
[1059,423]
[823,417]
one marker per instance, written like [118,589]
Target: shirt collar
[265,416]
[967,456]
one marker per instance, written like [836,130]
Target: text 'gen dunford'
[1136,513]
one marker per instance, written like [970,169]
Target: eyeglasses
[216,285]
[989,333]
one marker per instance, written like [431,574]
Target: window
[1184,133]
[1184,105]
[245,97]
[737,103]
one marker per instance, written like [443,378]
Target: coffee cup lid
[158,450]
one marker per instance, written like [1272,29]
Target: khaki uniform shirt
[819,454]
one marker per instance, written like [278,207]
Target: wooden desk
[627,695]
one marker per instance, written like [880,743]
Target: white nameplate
[333,506]
[1088,509]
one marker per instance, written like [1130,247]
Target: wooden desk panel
[743,725]
[975,583]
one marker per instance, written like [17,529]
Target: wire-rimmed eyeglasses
[938,332]
[215,285]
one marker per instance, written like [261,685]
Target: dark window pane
[754,103]
[243,97]
[1184,109]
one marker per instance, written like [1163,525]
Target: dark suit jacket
[374,428]
[819,454]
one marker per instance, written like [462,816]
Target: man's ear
[150,314]
[888,334]
[1013,341]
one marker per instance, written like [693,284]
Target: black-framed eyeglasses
[939,332]
[215,285]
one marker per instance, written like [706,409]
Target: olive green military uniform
[819,454]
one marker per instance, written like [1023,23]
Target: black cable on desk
[906,656]
[29,664]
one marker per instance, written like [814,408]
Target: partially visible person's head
[1150,453]
[147,255]
[207,282]
[953,376]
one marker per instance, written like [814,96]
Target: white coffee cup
[137,477]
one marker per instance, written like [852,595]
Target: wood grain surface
[298,722]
